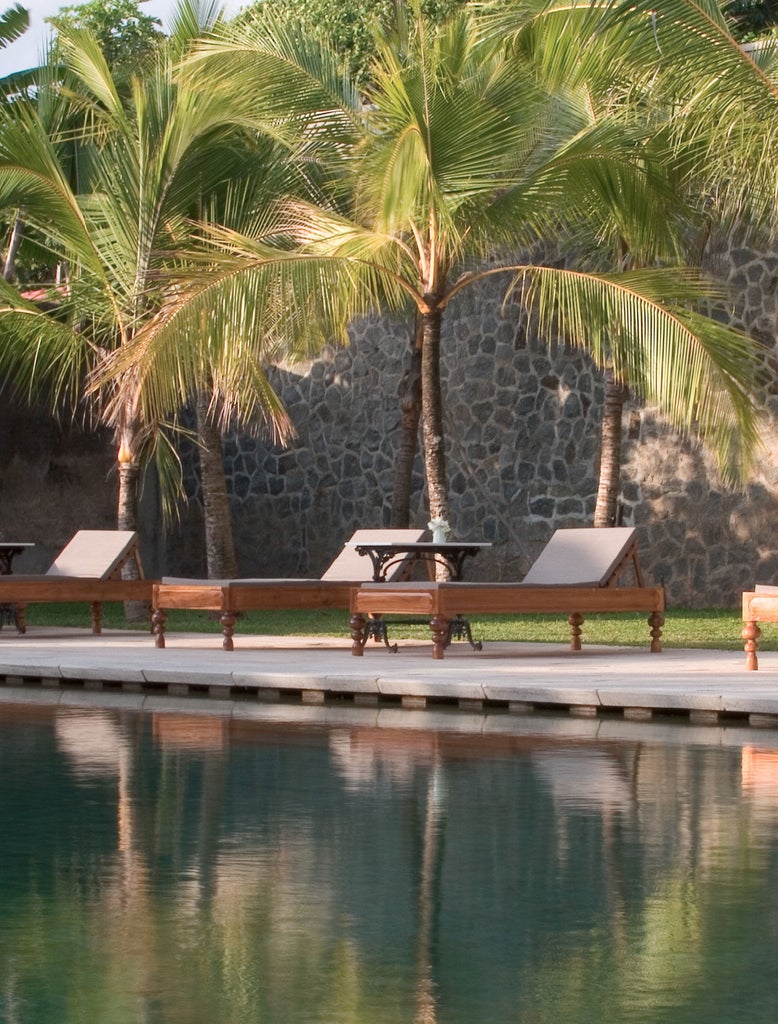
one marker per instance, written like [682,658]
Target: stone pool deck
[72,666]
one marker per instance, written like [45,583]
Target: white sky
[27,51]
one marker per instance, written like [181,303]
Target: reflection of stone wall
[523,443]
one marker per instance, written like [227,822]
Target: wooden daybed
[231,597]
[576,573]
[87,569]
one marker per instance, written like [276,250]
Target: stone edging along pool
[703,687]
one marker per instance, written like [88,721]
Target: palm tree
[14,22]
[666,62]
[151,163]
[461,155]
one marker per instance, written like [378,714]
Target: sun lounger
[576,573]
[759,605]
[231,597]
[87,569]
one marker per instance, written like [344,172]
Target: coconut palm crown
[150,163]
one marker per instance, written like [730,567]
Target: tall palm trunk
[606,507]
[219,542]
[432,416]
[432,423]
[128,465]
[127,517]
[410,416]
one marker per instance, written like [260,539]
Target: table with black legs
[450,554]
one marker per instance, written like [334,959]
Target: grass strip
[712,628]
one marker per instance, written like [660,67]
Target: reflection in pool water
[187,869]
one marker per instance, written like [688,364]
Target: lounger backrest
[585,557]
[350,565]
[94,554]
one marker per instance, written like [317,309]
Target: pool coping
[69,665]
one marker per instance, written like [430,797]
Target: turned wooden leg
[97,616]
[228,619]
[158,620]
[751,633]
[358,625]
[655,621]
[20,612]
[439,629]
[575,622]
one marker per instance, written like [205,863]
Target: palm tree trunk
[432,425]
[219,542]
[14,243]
[127,512]
[606,507]
[432,417]
[410,417]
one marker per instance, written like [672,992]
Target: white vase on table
[440,530]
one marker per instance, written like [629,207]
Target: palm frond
[14,22]
[40,354]
[701,374]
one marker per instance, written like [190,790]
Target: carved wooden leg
[20,612]
[97,616]
[575,622]
[358,625]
[655,621]
[228,629]
[751,633]
[439,629]
[158,620]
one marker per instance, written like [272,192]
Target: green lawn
[713,628]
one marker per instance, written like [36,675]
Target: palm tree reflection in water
[205,869]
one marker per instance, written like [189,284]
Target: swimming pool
[186,868]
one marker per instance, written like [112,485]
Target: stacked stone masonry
[522,427]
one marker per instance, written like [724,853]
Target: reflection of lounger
[576,573]
[230,597]
[87,569]
[759,605]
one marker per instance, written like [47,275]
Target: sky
[27,50]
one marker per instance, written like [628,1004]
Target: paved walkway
[72,666]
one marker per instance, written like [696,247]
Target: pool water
[186,869]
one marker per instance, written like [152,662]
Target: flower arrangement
[440,530]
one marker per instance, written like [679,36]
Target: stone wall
[523,440]
[54,480]
[57,478]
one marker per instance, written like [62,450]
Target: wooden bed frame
[443,603]
[760,605]
[88,569]
[576,573]
[231,597]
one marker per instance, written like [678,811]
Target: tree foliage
[350,26]
[14,22]
[465,153]
[752,18]
[124,33]
[150,162]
